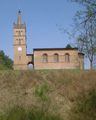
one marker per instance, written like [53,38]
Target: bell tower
[19,31]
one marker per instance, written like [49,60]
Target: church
[42,58]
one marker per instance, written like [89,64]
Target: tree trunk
[91,65]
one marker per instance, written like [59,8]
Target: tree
[5,61]
[87,44]
[68,46]
[85,21]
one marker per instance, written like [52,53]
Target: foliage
[85,108]
[19,113]
[68,46]
[5,62]
[87,44]
[39,115]
[41,92]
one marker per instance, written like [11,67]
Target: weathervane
[19,11]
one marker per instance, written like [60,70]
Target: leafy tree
[5,61]
[68,46]
[85,21]
[87,44]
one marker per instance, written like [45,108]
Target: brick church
[43,58]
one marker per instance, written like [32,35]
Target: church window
[67,57]
[19,57]
[16,32]
[45,58]
[56,57]
[19,32]
[19,41]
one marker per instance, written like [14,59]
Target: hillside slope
[52,91]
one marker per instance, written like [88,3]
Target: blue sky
[43,19]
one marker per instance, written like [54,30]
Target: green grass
[19,113]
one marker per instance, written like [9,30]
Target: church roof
[19,19]
[19,23]
[80,53]
[52,49]
[44,49]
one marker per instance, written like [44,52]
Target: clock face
[19,49]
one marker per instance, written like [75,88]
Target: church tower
[19,31]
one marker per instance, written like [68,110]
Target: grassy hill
[64,94]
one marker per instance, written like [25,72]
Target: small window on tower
[19,57]
[16,32]
[19,41]
[19,32]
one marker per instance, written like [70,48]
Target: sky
[43,18]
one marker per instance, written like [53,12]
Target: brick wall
[75,59]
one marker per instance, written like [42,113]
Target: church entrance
[30,66]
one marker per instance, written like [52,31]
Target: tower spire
[19,20]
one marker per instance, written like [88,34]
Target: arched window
[19,57]
[67,57]
[56,57]
[19,33]
[45,58]
[30,66]
[19,41]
